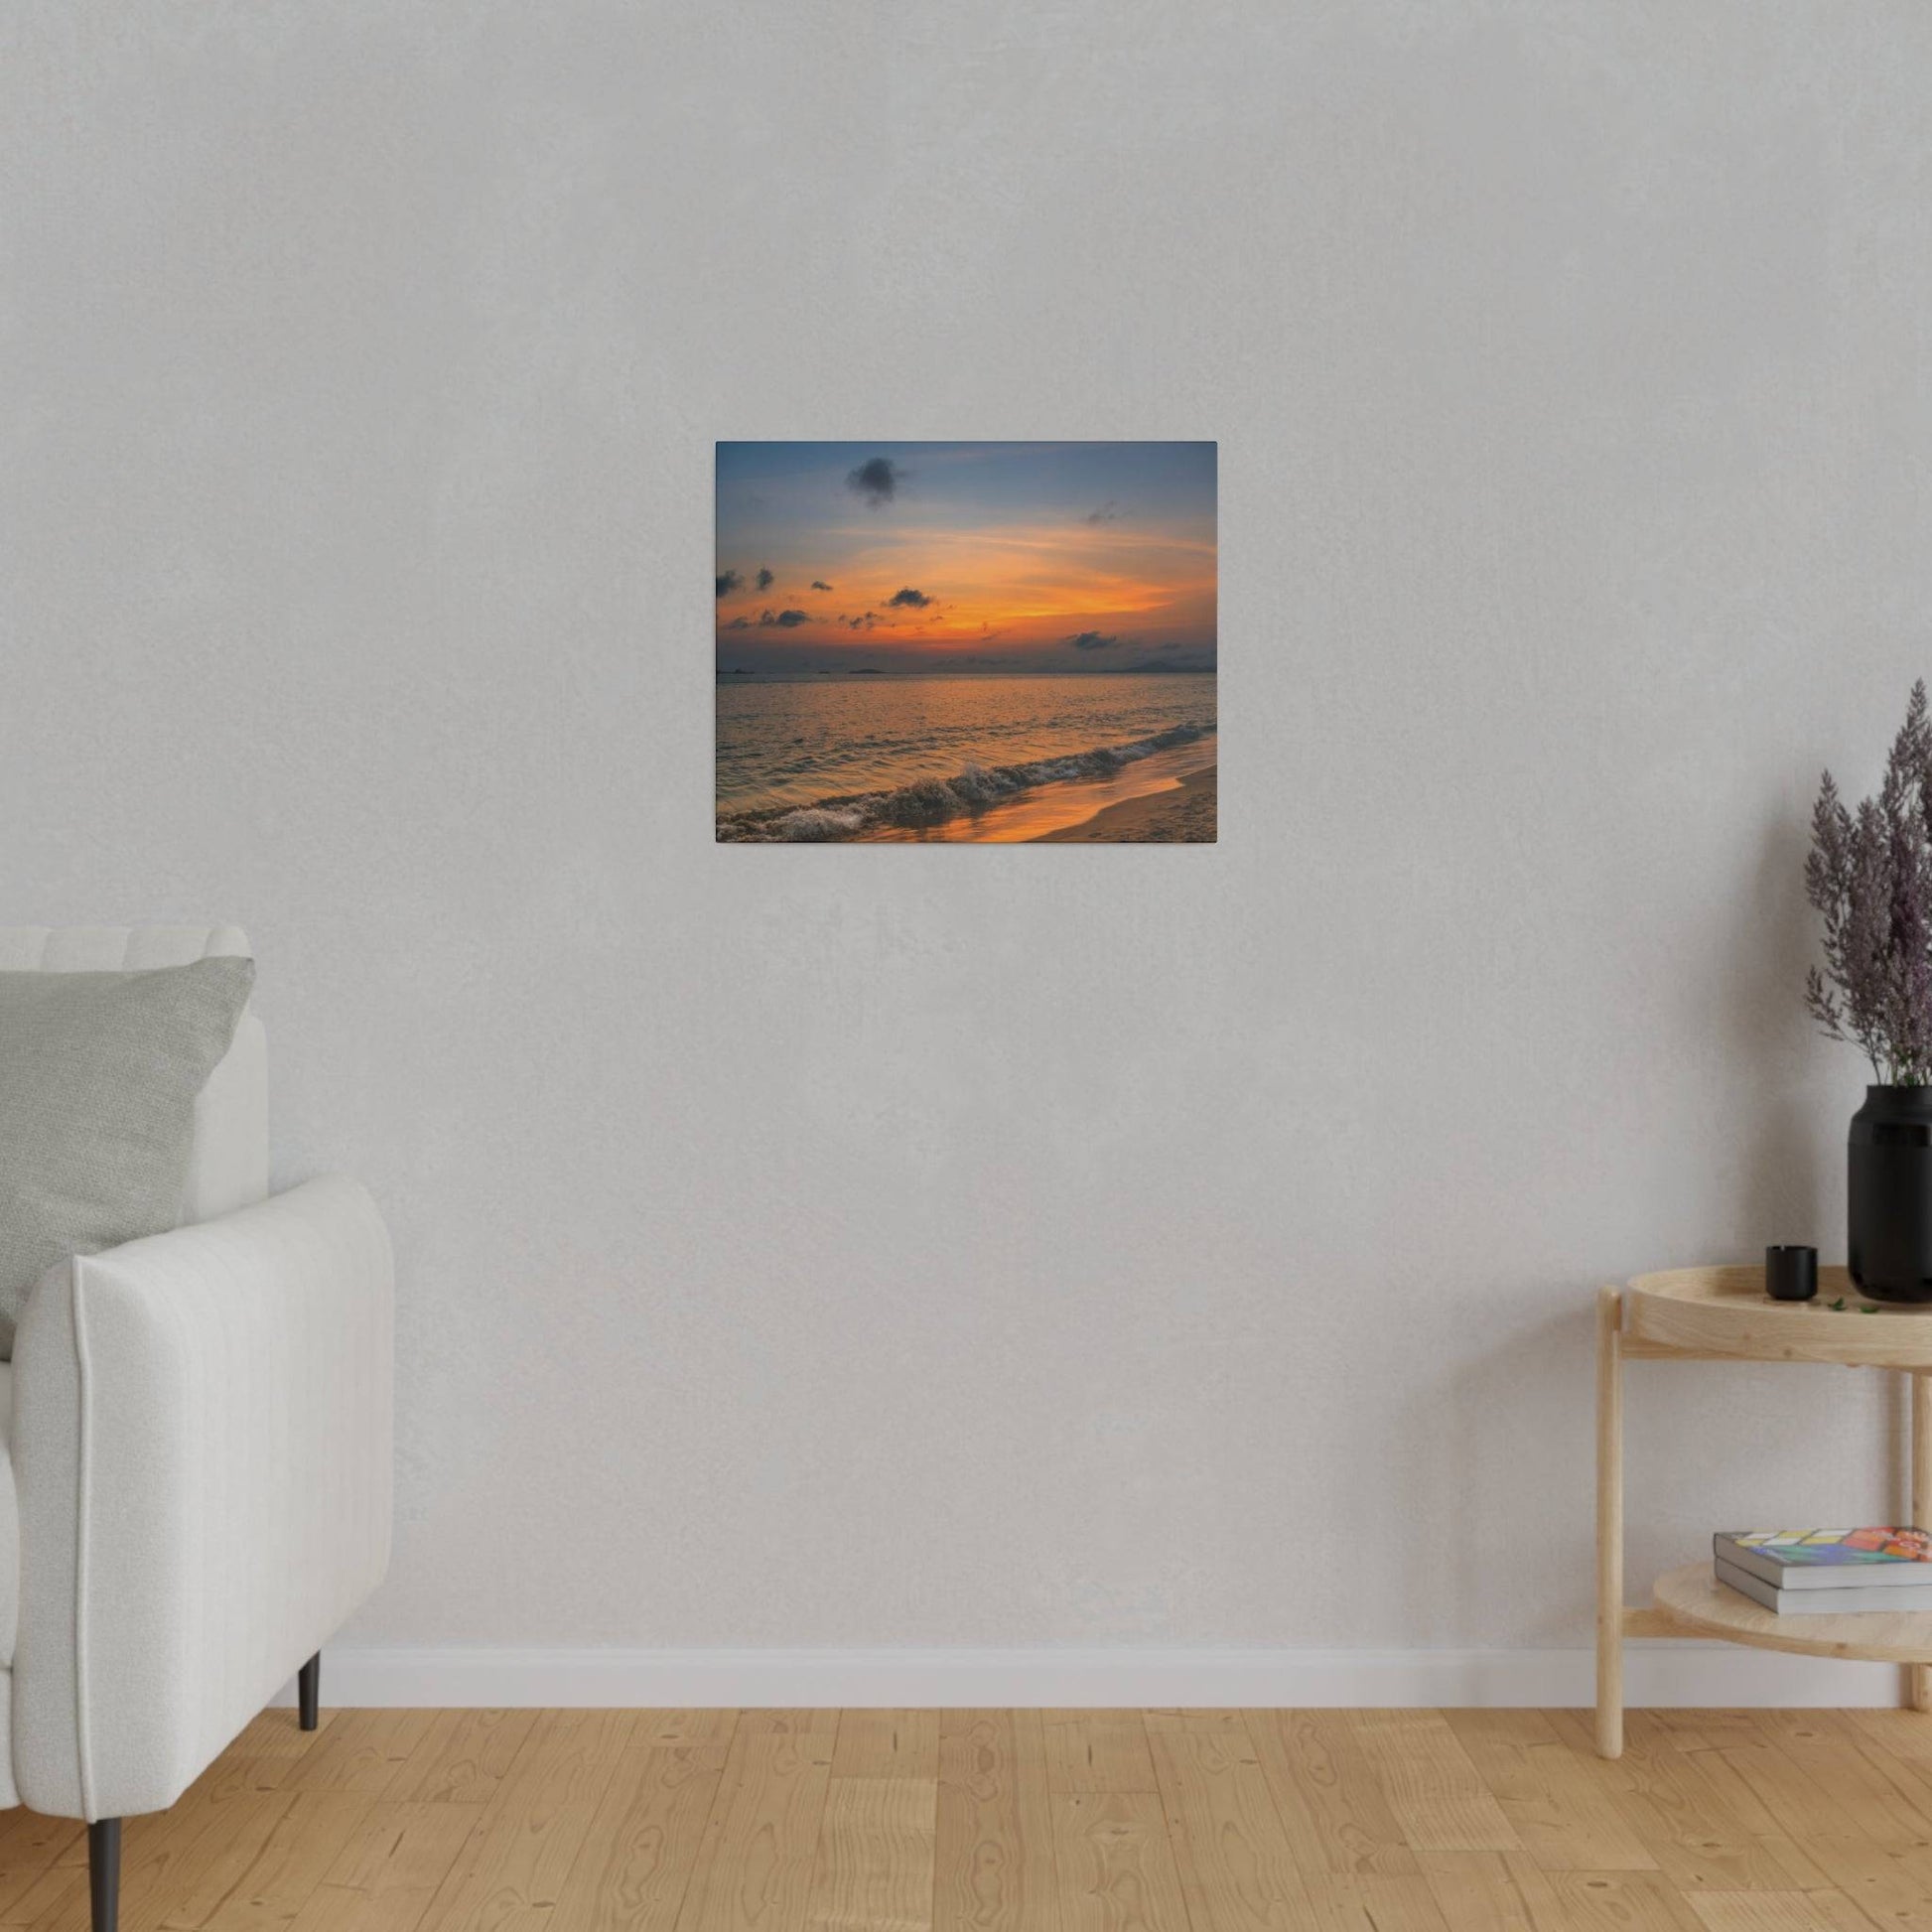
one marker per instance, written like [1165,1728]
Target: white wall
[996,1247]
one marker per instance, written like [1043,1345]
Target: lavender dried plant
[1869,874]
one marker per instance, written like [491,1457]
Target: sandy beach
[1185,814]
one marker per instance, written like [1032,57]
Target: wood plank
[994,1863]
[335,1908]
[1790,1794]
[1374,1901]
[464,1758]
[1893,1888]
[56,1901]
[360,1751]
[339,1909]
[1886,1801]
[1562,1805]
[1432,1788]
[397,1858]
[1900,1758]
[1492,1891]
[685,1726]
[304,1844]
[1116,1867]
[231,1775]
[279,1733]
[642,1847]
[1621,1901]
[178,1870]
[31,1845]
[1236,1868]
[1900,1734]
[761,1841]
[887,1744]
[873,1871]
[1715,1771]
[1698,1842]
[1779,1911]
[1699,1730]
[513,1865]
[1097,1751]
[1213,1722]
[1331,1804]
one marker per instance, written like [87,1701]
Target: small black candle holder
[1791,1274]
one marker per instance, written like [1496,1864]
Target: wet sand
[1063,809]
[1182,815]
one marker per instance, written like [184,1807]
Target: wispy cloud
[1108,512]
[1092,641]
[819,583]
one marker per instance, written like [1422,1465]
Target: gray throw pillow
[98,1077]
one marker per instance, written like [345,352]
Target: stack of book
[1828,1572]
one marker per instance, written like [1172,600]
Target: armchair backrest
[228,1168]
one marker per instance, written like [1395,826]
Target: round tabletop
[1695,1600]
[1726,1311]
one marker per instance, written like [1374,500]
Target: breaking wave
[934,801]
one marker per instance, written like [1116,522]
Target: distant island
[866,670]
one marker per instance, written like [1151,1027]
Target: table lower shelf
[1697,1605]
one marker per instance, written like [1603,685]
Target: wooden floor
[1027,1821]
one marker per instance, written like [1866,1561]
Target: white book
[1826,1603]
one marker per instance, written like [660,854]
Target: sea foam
[934,801]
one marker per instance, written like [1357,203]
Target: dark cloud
[1108,512]
[876,479]
[862,621]
[739,624]
[1092,641]
[784,619]
[819,583]
[907,600]
[728,581]
[765,579]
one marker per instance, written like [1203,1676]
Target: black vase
[1890,1199]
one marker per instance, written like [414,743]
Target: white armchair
[199,1436]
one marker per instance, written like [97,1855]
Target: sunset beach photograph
[966,643]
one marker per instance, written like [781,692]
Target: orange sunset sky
[968,557]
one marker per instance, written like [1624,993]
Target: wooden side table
[1703,1315]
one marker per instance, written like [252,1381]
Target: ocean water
[848,757]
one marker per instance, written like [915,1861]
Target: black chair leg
[104,1872]
[308,1690]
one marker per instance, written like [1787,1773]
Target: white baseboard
[1657,1674]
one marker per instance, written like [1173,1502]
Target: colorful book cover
[1820,1549]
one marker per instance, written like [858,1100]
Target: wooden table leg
[1610,1522]
[1920,1675]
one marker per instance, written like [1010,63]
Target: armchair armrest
[202,1445]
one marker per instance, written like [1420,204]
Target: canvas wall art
[980,642]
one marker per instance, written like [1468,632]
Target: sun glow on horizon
[1070,557]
